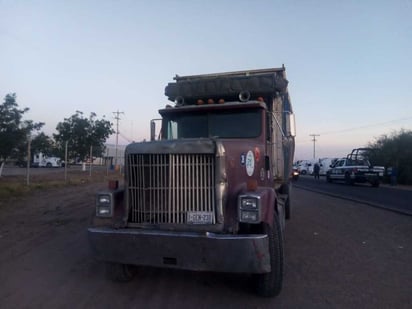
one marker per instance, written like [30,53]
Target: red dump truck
[212,191]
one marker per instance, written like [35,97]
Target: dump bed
[228,86]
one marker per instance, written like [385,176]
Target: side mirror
[267,163]
[153,129]
[290,124]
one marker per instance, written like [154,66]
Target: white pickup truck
[355,168]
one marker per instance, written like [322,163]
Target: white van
[325,164]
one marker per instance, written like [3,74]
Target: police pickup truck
[355,168]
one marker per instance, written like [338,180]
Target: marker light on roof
[200,102]
[210,101]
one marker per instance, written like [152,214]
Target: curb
[375,205]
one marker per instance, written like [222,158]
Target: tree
[81,133]
[44,144]
[39,143]
[395,150]
[14,131]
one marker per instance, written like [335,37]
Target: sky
[349,63]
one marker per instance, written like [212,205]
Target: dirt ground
[339,254]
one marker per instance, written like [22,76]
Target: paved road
[392,198]
[339,254]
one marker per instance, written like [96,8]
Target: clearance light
[260,99]
[257,154]
[179,101]
[221,101]
[200,102]
[210,101]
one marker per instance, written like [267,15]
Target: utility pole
[28,160]
[314,142]
[117,117]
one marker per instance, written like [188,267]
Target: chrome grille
[162,188]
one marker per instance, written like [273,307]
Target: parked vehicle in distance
[304,167]
[42,160]
[325,165]
[295,173]
[355,168]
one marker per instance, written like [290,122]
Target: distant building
[109,156]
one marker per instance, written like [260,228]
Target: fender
[268,198]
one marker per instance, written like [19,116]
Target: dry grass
[15,186]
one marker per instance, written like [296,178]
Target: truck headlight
[104,205]
[249,208]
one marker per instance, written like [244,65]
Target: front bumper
[182,250]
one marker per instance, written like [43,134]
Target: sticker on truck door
[250,163]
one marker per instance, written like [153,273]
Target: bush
[395,151]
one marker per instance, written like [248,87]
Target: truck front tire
[270,284]
[288,208]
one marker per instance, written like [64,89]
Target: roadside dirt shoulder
[338,254]
[27,221]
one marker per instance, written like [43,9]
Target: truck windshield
[222,124]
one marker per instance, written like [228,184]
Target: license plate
[199,217]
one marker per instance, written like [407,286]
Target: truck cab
[212,191]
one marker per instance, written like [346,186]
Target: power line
[125,138]
[366,126]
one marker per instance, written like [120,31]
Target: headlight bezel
[249,208]
[104,204]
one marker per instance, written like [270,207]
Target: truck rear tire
[286,189]
[270,284]
[120,272]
